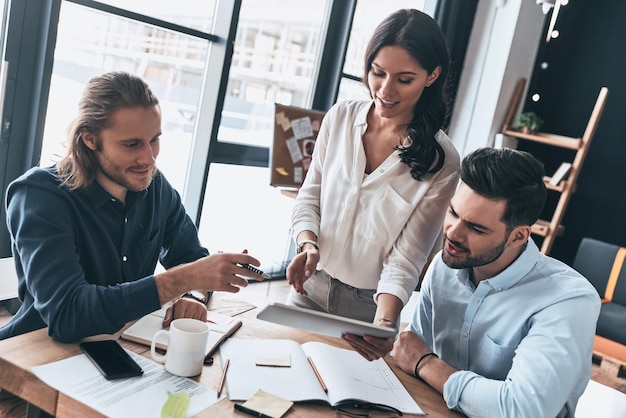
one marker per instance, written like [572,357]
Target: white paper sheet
[302,127]
[138,397]
[600,400]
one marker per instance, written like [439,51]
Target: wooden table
[19,354]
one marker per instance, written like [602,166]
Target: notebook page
[350,376]
[244,377]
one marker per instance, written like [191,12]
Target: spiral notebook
[221,326]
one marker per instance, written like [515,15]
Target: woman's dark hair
[510,175]
[423,39]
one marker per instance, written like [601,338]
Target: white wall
[502,49]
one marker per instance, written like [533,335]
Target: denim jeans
[330,295]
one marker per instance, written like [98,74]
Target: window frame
[30,42]
[31,54]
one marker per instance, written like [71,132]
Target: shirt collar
[361,117]
[99,197]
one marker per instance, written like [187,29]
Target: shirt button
[499,289]
[476,301]
[124,258]
[112,199]
[125,219]
[465,334]
[382,170]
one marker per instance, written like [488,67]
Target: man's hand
[407,349]
[302,266]
[371,348]
[185,308]
[225,271]
[221,271]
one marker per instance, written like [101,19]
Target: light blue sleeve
[422,320]
[550,368]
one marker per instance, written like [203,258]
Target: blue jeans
[327,294]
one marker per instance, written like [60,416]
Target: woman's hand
[301,268]
[371,348]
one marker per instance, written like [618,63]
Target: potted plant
[528,122]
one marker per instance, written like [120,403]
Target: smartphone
[111,359]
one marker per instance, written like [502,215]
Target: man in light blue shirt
[500,328]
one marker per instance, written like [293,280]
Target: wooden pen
[317,374]
[223,379]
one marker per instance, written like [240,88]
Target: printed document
[139,397]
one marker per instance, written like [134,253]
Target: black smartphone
[111,359]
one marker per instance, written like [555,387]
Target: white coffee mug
[186,346]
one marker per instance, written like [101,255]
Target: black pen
[254,270]
[250,411]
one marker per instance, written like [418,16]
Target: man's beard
[119,176]
[472,261]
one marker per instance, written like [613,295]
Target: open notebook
[222,326]
[345,373]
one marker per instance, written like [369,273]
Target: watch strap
[307,241]
[196,296]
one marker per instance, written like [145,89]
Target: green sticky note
[176,405]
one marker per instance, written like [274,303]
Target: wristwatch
[196,295]
[307,241]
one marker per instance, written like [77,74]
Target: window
[275,59]
[171,62]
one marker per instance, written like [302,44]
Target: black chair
[603,265]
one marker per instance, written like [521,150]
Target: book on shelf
[221,327]
[345,374]
[560,174]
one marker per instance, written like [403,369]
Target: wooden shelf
[550,139]
[567,185]
[542,228]
[558,188]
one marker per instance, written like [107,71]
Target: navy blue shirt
[85,262]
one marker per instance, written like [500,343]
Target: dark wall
[589,53]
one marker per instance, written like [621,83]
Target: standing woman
[373,201]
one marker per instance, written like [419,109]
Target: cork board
[295,132]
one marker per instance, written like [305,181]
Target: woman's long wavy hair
[423,39]
[103,95]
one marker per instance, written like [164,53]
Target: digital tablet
[321,322]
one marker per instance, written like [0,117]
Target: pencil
[317,374]
[223,379]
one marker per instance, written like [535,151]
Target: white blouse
[374,231]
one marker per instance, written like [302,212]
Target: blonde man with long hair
[87,233]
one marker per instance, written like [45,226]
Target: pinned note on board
[295,133]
